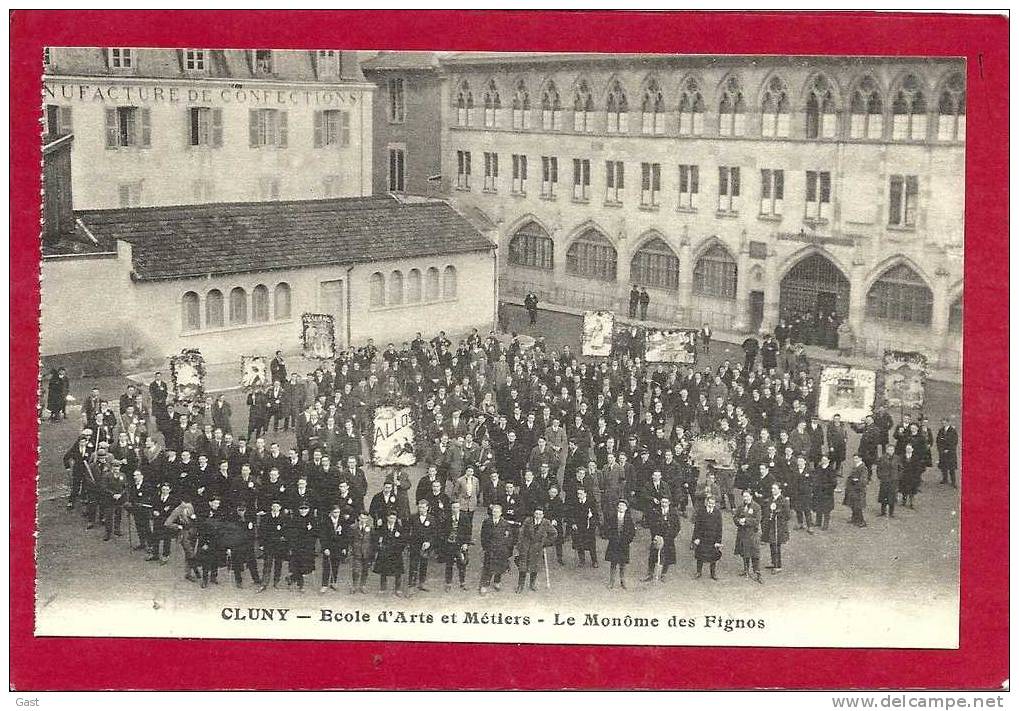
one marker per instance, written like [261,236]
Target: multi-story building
[182,126]
[736,189]
[407,132]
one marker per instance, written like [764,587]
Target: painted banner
[596,338]
[318,336]
[254,372]
[905,378]
[712,449]
[187,375]
[393,438]
[679,346]
[848,392]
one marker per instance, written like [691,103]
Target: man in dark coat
[455,538]
[333,541]
[645,301]
[664,525]
[390,540]
[769,354]
[856,491]
[750,348]
[497,540]
[583,519]
[536,534]
[302,535]
[531,304]
[888,468]
[113,497]
[775,526]
[948,451]
[56,395]
[77,461]
[747,518]
[870,443]
[239,545]
[825,482]
[362,552]
[209,551]
[272,531]
[162,506]
[634,302]
[278,368]
[619,531]
[423,531]
[707,537]
[801,494]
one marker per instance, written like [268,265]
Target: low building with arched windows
[233,279]
[736,189]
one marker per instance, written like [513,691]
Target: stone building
[736,189]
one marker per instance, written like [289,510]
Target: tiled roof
[401,60]
[227,238]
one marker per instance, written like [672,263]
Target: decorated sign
[905,378]
[392,436]
[254,372]
[712,449]
[848,392]
[318,336]
[596,338]
[187,375]
[679,346]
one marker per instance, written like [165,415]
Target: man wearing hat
[76,461]
[664,526]
[455,538]
[390,540]
[272,531]
[302,535]
[497,543]
[333,539]
[422,537]
[113,488]
[362,552]
[536,534]
[239,545]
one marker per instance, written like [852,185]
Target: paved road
[908,565]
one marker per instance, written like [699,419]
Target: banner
[679,346]
[318,336]
[187,375]
[393,436]
[905,378]
[848,392]
[596,338]
[712,449]
[254,372]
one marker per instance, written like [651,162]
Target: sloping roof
[401,60]
[228,238]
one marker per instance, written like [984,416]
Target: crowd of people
[525,452]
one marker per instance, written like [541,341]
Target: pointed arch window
[464,105]
[655,264]
[909,111]
[551,109]
[492,104]
[952,110]
[652,109]
[592,255]
[583,109]
[866,110]
[732,109]
[691,110]
[616,109]
[531,246]
[714,274]
[521,107]
[821,118]
[775,110]
[900,294]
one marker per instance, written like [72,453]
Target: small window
[464,105]
[551,109]
[491,172]
[58,121]
[728,189]
[614,182]
[463,170]
[262,62]
[121,58]
[820,110]
[903,194]
[583,109]
[616,110]
[194,60]
[689,187]
[732,109]
[128,127]
[909,111]
[449,283]
[205,126]
[129,194]
[331,128]
[203,190]
[214,309]
[267,128]
[492,105]
[190,310]
[818,197]
[397,158]
[519,185]
[549,176]
[521,107]
[772,192]
[650,184]
[47,57]
[691,110]
[328,62]
[281,299]
[260,304]
[866,110]
[653,109]
[395,288]
[775,110]
[377,290]
[238,306]
[581,179]
[397,100]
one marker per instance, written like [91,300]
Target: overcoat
[775,526]
[390,544]
[585,516]
[497,542]
[666,526]
[747,518]
[707,531]
[856,487]
[301,538]
[619,535]
[532,541]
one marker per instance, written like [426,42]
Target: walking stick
[130,526]
[544,559]
[658,566]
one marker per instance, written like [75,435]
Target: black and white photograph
[645,349]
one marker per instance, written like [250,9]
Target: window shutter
[217,128]
[65,120]
[189,127]
[253,127]
[112,140]
[282,129]
[146,135]
[344,128]
[318,120]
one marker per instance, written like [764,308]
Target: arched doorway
[816,286]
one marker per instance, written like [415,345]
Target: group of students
[543,449]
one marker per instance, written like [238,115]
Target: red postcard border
[982,659]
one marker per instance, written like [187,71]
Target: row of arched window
[236,309]
[900,294]
[396,289]
[909,105]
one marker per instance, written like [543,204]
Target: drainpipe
[495,289]
[349,270]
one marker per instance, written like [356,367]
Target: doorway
[756,310]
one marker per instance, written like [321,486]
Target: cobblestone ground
[908,565]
